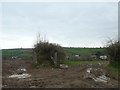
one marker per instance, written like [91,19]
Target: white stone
[103,57]
[63,66]
[89,70]
[20,76]
[23,70]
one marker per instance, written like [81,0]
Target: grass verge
[114,70]
[74,63]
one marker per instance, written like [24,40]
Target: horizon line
[63,47]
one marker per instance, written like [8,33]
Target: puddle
[25,75]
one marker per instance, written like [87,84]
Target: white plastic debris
[63,66]
[23,70]
[25,75]
[99,64]
[89,70]
[102,78]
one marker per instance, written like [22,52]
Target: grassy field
[83,51]
[28,53]
[20,53]
[74,63]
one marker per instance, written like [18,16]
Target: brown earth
[48,77]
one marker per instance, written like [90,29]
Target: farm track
[72,77]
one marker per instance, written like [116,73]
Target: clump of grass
[115,66]
[72,63]
[114,69]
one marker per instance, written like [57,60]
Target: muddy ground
[73,77]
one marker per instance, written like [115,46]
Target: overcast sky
[68,24]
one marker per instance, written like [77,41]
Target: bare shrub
[48,53]
[113,50]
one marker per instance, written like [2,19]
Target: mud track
[73,77]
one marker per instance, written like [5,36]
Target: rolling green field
[28,53]
[83,51]
[20,53]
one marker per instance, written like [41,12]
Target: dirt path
[73,77]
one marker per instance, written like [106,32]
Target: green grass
[75,63]
[28,53]
[114,69]
[82,51]
[21,53]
